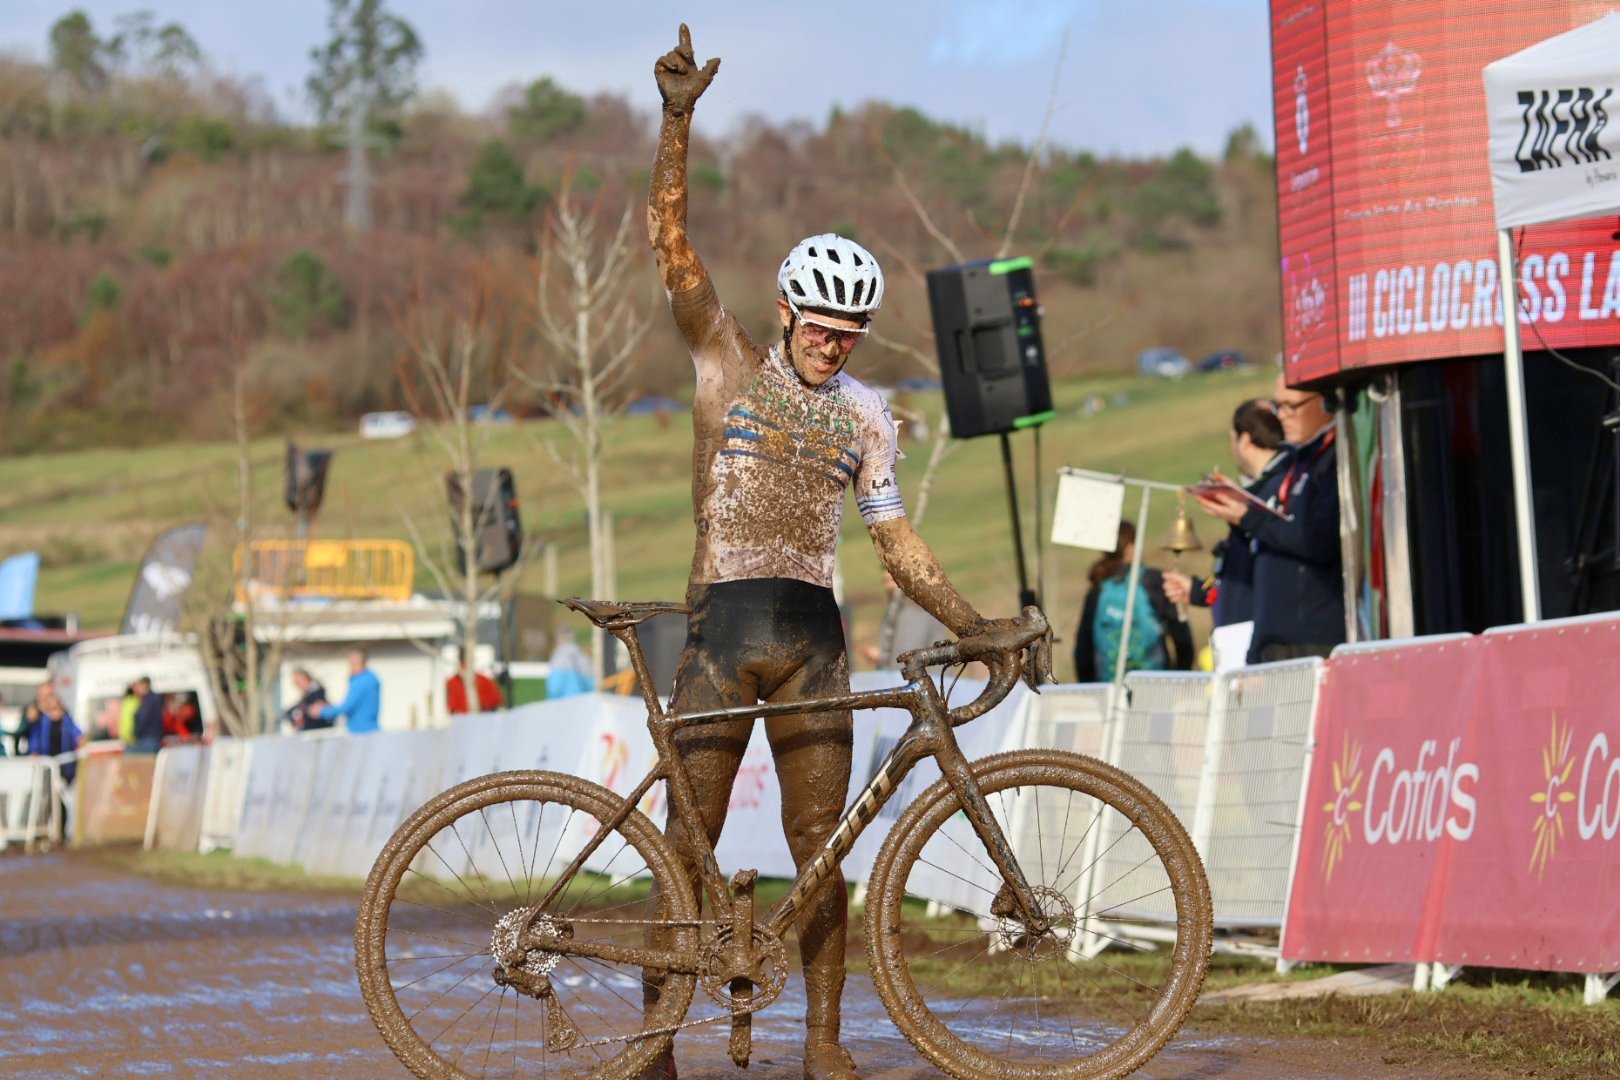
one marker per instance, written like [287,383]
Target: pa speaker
[992,364]
[497,531]
[306,479]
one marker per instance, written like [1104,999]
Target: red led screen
[1384,188]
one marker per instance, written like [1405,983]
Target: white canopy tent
[1555,155]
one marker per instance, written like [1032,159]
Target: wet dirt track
[107,974]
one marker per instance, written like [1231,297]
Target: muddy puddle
[108,974]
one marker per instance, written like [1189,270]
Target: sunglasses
[817,332]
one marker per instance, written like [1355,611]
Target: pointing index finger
[685,46]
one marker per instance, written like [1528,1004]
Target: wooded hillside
[161,228]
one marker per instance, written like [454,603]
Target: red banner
[1384,191]
[1539,891]
[1464,803]
[1394,779]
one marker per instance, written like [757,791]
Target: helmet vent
[796,287]
[832,254]
[859,287]
[838,290]
[821,284]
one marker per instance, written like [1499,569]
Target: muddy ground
[104,973]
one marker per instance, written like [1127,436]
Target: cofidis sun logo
[1347,776]
[1557,762]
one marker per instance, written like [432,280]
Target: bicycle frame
[930,734]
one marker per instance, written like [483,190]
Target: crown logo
[1391,73]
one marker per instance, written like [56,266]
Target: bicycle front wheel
[443,943]
[1096,994]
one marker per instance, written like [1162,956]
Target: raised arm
[681,82]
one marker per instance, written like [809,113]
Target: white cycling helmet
[834,274]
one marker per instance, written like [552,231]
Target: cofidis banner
[1463,804]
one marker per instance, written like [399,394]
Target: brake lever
[1038,662]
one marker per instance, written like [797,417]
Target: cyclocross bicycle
[506,927]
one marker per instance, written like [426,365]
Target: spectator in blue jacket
[1298,567]
[361,703]
[53,733]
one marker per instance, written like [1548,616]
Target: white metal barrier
[179,783]
[1071,717]
[1158,737]
[30,802]
[225,786]
[1246,819]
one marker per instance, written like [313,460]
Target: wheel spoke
[440,1014]
[989,995]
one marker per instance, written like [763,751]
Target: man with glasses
[779,433]
[1298,565]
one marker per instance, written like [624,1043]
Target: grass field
[90,514]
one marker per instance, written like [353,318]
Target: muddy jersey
[771,457]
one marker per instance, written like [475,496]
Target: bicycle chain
[669,1029]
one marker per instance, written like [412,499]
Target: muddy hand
[680,80]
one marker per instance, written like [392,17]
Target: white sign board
[1088,512]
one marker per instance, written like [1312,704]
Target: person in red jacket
[455,689]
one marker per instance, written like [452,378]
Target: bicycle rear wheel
[437,946]
[1097,994]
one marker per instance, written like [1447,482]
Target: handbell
[1183,537]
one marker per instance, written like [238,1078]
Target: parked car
[483,414]
[1225,360]
[653,403]
[918,384]
[386,425]
[1162,363]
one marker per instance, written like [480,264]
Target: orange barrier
[114,793]
[342,569]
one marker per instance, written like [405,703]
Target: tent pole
[1518,435]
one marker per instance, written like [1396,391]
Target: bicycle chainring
[764,964]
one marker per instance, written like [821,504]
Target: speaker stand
[1026,595]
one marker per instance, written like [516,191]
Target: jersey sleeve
[877,489]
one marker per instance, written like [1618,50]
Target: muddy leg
[813,754]
[711,754]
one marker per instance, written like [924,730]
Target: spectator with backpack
[1159,639]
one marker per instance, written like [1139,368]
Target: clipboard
[1227,491]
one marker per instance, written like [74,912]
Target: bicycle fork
[958,773]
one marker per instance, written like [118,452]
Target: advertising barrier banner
[1463,804]
[1394,778]
[1535,886]
[114,793]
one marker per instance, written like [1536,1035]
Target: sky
[1135,79]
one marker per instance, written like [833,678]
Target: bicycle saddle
[603,612]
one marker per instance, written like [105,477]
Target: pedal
[742,990]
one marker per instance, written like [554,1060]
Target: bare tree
[591,329]
[452,360]
[241,648]
[940,447]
